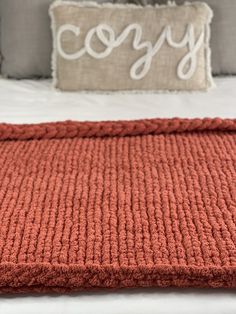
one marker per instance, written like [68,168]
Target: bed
[26,101]
[30,101]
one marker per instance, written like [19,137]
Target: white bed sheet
[35,101]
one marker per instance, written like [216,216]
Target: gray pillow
[0,40]
[26,38]
[223,35]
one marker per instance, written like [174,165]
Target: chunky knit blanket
[117,204]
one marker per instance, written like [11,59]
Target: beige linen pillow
[131,48]
[223,30]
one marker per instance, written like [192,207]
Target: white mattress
[36,101]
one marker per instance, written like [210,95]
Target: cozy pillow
[223,42]
[120,47]
[26,38]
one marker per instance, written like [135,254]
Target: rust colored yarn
[117,204]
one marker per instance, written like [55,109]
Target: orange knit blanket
[117,204]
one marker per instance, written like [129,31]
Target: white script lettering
[106,35]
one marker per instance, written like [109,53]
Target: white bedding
[36,101]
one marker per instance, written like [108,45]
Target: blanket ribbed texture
[117,204]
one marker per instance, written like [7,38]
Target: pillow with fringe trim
[115,47]
[223,30]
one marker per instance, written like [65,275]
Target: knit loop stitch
[145,203]
[71,129]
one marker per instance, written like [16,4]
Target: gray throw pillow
[26,39]
[0,40]
[223,34]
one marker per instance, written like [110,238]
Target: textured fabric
[0,40]
[123,67]
[223,41]
[117,204]
[26,38]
